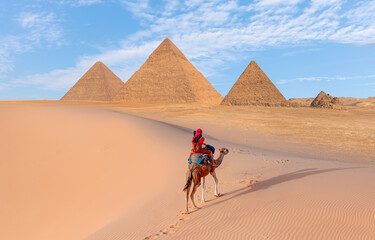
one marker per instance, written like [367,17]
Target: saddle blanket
[194,158]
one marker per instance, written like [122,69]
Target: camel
[201,171]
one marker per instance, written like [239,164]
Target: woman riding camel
[198,142]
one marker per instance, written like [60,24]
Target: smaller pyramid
[253,87]
[97,84]
[324,100]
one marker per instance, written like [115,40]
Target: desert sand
[111,171]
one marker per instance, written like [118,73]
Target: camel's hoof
[218,195]
[203,201]
[187,212]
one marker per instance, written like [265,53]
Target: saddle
[200,158]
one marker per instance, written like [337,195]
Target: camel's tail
[190,177]
[188,181]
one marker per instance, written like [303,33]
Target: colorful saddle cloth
[200,158]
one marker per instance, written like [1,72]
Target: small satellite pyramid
[167,77]
[253,87]
[324,100]
[97,84]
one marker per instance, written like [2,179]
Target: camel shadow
[262,185]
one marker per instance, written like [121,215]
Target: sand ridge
[74,167]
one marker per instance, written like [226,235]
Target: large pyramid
[97,84]
[253,87]
[168,77]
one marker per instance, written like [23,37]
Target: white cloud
[369,84]
[87,2]
[6,63]
[56,79]
[302,51]
[121,62]
[194,3]
[139,8]
[281,82]
[312,78]
[3,85]
[40,30]
[170,7]
[225,25]
[268,3]
[211,33]
[75,3]
[328,79]
[41,26]
[360,25]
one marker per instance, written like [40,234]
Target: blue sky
[303,46]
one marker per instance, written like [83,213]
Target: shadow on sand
[262,185]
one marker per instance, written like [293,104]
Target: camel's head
[225,151]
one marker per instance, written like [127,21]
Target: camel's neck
[219,160]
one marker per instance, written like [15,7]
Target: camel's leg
[197,182]
[187,200]
[188,191]
[203,188]
[216,183]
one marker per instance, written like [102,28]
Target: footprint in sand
[246,182]
[251,183]
[151,237]
[281,161]
[162,232]
[166,231]
[240,151]
[184,218]
[174,226]
[249,175]
[243,174]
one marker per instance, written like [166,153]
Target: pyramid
[324,100]
[97,84]
[253,87]
[167,77]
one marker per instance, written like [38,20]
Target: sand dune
[67,171]
[87,172]
[308,203]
